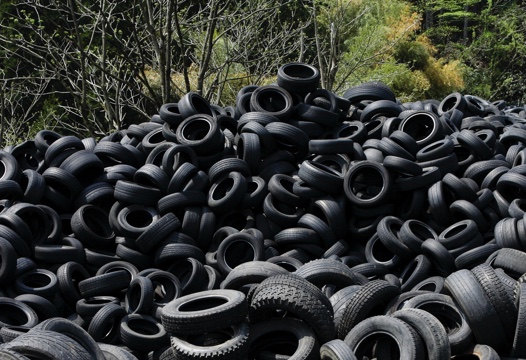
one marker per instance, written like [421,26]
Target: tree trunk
[465,29]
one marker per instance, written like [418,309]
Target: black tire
[378,108]
[362,338]
[373,90]
[367,184]
[62,144]
[252,272]
[156,232]
[192,274]
[430,329]
[416,271]
[434,284]
[139,296]
[238,248]
[336,350]
[142,333]
[280,186]
[176,155]
[290,138]
[340,299]
[501,301]
[91,226]
[8,333]
[47,345]
[74,332]
[519,347]
[458,234]
[331,146]
[133,220]
[39,282]
[233,345]
[192,104]
[69,275]
[322,272]
[370,300]
[311,113]
[482,352]
[84,165]
[435,150]
[475,256]
[513,261]
[249,150]
[205,311]
[112,352]
[167,287]
[106,284]
[414,232]
[170,113]
[20,314]
[116,266]
[402,166]
[332,213]
[267,142]
[277,338]
[104,326]
[294,294]
[44,308]
[111,153]
[167,254]
[298,78]
[227,192]
[201,133]
[389,147]
[321,177]
[451,102]
[443,261]
[8,258]
[87,308]
[387,231]
[475,304]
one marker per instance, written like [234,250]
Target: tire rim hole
[211,339]
[203,303]
[381,253]
[36,280]
[280,343]
[420,127]
[142,326]
[12,315]
[272,101]
[298,71]
[235,219]
[367,184]
[449,104]
[239,252]
[196,130]
[139,218]
[223,188]
[376,344]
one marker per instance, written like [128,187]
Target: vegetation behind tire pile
[89,68]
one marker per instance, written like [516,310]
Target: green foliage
[497,55]
[412,53]
[387,47]
[50,116]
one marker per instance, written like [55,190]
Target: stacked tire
[295,223]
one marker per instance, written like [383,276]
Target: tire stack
[295,224]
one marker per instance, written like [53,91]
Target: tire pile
[297,224]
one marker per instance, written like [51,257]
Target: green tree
[497,55]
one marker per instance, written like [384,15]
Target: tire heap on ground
[296,224]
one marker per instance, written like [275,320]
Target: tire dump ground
[296,224]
